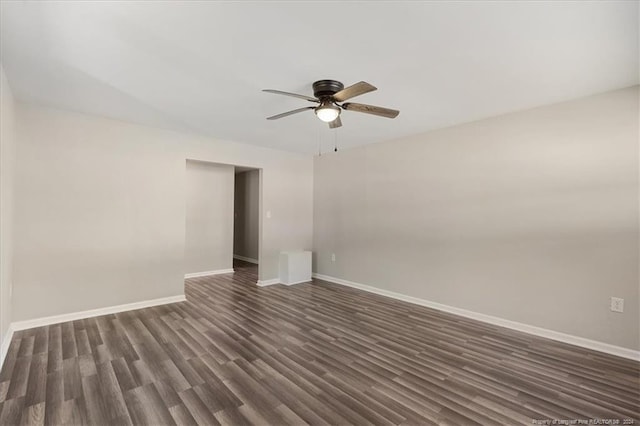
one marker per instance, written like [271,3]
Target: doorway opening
[246,219]
[222,220]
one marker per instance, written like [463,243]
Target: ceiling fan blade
[335,123]
[295,95]
[284,114]
[354,90]
[370,109]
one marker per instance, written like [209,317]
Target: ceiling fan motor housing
[324,88]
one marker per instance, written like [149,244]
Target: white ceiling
[200,66]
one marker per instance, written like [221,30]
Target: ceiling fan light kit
[327,112]
[328,93]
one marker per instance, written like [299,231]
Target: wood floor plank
[74,412]
[98,410]
[112,395]
[182,416]
[146,406]
[19,378]
[69,347]
[26,346]
[197,408]
[37,382]
[72,378]
[123,375]
[54,362]
[4,388]
[41,342]
[314,353]
[54,407]
[33,415]
[12,411]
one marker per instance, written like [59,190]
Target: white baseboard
[530,329]
[246,259]
[264,283]
[55,319]
[208,273]
[298,282]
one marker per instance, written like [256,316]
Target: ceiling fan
[331,94]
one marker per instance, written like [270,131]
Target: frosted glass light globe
[327,113]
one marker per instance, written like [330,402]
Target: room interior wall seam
[8,143]
[489,319]
[209,273]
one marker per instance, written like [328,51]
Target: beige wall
[7,157]
[245,233]
[531,216]
[209,217]
[100,209]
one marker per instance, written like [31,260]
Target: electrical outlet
[617,304]
[333,257]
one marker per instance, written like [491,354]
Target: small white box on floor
[295,267]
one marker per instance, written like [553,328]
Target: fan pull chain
[319,142]
[335,140]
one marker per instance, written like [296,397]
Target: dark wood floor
[314,353]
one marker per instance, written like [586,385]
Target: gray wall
[531,216]
[209,217]
[7,158]
[247,211]
[100,209]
